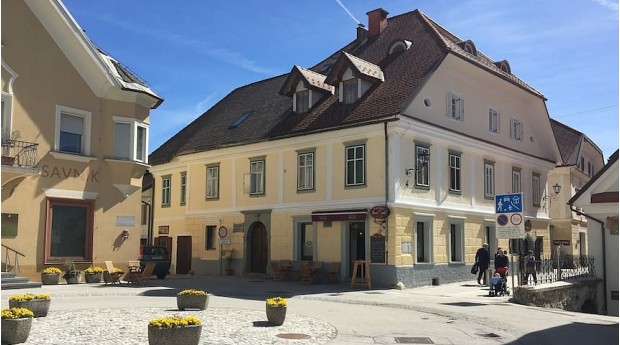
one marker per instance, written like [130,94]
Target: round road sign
[222,232]
[502,219]
[516,219]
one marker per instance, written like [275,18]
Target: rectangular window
[257,177]
[422,159]
[305,171]
[582,164]
[183,188]
[302,101]
[69,230]
[455,107]
[306,241]
[165,191]
[457,244]
[73,128]
[516,180]
[423,240]
[590,169]
[210,237]
[7,101]
[489,180]
[536,190]
[349,91]
[516,130]
[130,139]
[355,165]
[493,121]
[455,172]
[213,182]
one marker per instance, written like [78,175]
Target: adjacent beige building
[75,126]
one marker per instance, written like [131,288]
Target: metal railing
[552,269]
[19,153]
[7,259]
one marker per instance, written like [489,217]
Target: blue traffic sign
[509,203]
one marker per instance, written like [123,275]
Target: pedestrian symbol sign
[509,215]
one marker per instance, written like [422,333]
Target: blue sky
[195,52]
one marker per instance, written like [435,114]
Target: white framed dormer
[130,139]
[455,106]
[72,133]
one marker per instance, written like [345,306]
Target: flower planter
[93,277]
[39,307]
[188,301]
[189,335]
[50,279]
[72,279]
[276,315]
[16,331]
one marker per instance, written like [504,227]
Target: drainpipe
[149,223]
[387,189]
[604,255]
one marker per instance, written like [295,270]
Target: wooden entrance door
[357,243]
[258,248]
[184,254]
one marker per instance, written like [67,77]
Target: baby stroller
[499,286]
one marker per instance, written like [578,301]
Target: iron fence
[19,153]
[552,269]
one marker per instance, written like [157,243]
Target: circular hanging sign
[379,212]
[222,232]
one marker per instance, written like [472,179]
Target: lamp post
[556,190]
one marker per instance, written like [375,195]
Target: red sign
[379,212]
[222,232]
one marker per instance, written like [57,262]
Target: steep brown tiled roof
[569,141]
[404,73]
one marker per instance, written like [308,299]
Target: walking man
[483,259]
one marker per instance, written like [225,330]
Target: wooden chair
[111,276]
[304,272]
[277,273]
[286,269]
[332,272]
[133,271]
[146,274]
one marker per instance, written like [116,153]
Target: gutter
[605,311]
[387,190]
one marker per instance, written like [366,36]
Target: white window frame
[456,240]
[183,191]
[516,130]
[454,165]
[134,126]
[356,178]
[210,233]
[536,191]
[257,177]
[305,171]
[494,121]
[346,96]
[213,182]
[426,243]
[423,162]
[166,186]
[489,179]
[7,115]
[86,129]
[455,106]
[516,180]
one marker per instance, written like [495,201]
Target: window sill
[126,161]
[457,263]
[424,264]
[72,157]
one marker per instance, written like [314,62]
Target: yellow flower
[29,297]
[276,302]
[192,292]
[51,270]
[94,270]
[174,321]
[16,313]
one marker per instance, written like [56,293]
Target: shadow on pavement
[575,334]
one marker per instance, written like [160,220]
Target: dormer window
[349,91]
[468,46]
[302,101]
[503,65]
[399,46]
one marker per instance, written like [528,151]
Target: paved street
[460,313]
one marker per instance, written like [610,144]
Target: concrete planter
[187,301]
[73,278]
[276,315]
[50,279]
[16,331]
[188,335]
[93,277]
[39,307]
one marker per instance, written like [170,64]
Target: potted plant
[192,299]
[72,275]
[175,330]
[7,144]
[229,259]
[276,310]
[39,304]
[16,323]
[93,274]
[50,276]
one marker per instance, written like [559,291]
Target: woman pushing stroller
[499,281]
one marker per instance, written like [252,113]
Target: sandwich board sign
[509,222]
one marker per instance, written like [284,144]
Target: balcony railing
[19,153]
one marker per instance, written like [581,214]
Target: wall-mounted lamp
[125,234]
[556,190]
[422,160]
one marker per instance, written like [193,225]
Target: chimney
[362,33]
[377,21]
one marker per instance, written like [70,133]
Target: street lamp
[556,190]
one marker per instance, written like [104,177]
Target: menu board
[377,248]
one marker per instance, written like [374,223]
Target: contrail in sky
[348,12]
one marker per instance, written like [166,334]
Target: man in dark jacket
[483,259]
[501,262]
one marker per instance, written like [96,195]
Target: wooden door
[184,254]
[164,241]
[258,248]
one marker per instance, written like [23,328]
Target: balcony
[19,155]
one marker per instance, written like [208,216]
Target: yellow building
[75,127]
[389,151]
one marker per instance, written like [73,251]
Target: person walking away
[483,259]
[530,267]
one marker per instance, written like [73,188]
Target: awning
[319,216]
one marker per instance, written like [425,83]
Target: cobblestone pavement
[221,326]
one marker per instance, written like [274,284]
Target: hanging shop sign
[379,212]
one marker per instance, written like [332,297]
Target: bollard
[435,281]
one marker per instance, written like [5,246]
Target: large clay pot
[16,331]
[276,315]
[188,335]
[39,307]
[188,301]
[50,279]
